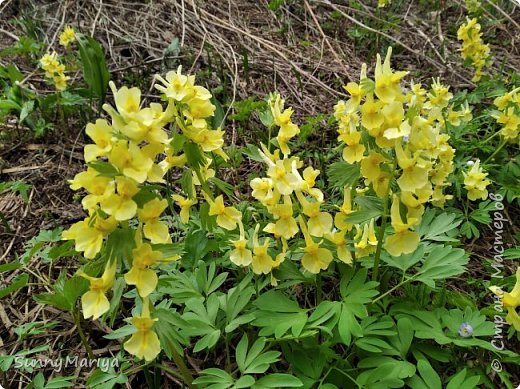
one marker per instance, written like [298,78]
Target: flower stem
[77,321]
[185,372]
[500,147]
[381,232]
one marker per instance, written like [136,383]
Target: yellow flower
[154,229]
[413,176]
[338,238]
[185,205]
[89,233]
[315,258]
[285,225]
[99,187]
[101,134]
[67,36]
[403,241]
[121,205]
[262,189]
[283,179]
[130,160]
[387,87]
[177,86]
[127,100]
[262,262]
[354,150]
[241,255]
[511,301]
[227,217]
[475,182]
[319,223]
[345,210]
[94,303]
[140,275]
[371,115]
[144,343]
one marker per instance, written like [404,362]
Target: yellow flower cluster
[511,301]
[132,150]
[54,70]
[475,182]
[383,3]
[473,48]
[394,135]
[292,200]
[67,36]
[509,114]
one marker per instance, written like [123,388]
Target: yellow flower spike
[309,180]
[227,217]
[94,303]
[315,258]
[101,134]
[511,301]
[154,230]
[121,205]
[185,204]
[130,160]
[140,275]
[67,36]
[473,48]
[285,225]
[127,100]
[144,343]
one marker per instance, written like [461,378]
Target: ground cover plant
[232,206]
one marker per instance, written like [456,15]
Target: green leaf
[122,332]
[405,261]
[95,71]
[18,282]
[342,173]
[278,380]
[276,301]
[438,227]
[60,382]
[362,216]
[168,329]
[459,381]
[252,152]
[104,168]
[441,263]
[27,108]
[430,377]
[254,361]
[217,121]
[214,376]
